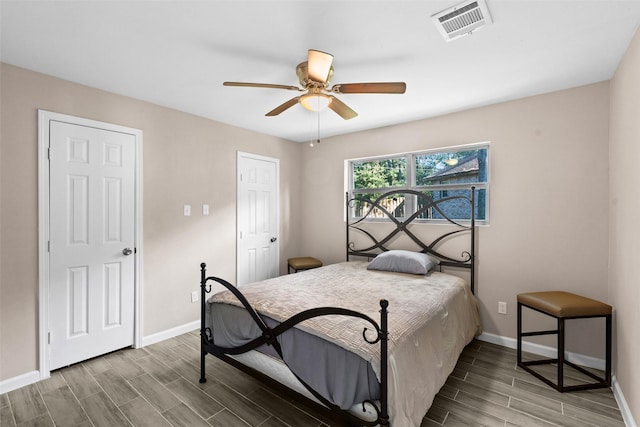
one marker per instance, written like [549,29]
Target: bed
[368,341]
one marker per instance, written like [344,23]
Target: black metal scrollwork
[270,337]
[373,245]
[373,404]
[203,284]
[377,339]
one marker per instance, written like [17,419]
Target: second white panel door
[257,218]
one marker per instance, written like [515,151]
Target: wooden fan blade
[262,85]
[318,65]
[385,87]
[280,108]
[342,109]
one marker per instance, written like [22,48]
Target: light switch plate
[187,210]
[205,209]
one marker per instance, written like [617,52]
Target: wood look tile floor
[158,386]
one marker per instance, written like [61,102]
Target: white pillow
[403,262]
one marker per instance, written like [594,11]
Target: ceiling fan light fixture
[315,101]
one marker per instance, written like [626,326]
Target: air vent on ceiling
[462,19]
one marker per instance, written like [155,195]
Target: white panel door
[92,237]
[257,218]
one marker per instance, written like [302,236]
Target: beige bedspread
[431,319]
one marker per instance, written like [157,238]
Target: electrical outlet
[194,296]
[502,307]
[186,210]
[205,209]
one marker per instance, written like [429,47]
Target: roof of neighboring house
[466,165]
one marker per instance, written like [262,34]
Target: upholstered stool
[303,263]
[563,306]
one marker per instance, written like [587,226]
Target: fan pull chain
[317,141]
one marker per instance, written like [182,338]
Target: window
[439,174]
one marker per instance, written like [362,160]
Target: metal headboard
[377,245]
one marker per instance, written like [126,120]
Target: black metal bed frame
[269,337]
[379,334]
[378,246]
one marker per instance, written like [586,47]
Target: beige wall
[548,202]
[187,160]
[624,230]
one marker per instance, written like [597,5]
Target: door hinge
[48,153]
[241,235]
[48,245]
[48,337]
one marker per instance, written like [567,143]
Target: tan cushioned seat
[564,304]
[304,263]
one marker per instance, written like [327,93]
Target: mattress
[276,369]
[431,319]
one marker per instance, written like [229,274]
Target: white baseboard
[15,383]
[543,350]
[170,333]
[622,403]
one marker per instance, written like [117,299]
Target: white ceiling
[178,53]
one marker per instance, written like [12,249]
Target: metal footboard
[269,336]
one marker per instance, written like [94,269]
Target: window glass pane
[363,203]
[451,167]
[380,173]
[453,207]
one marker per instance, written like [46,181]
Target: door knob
[273,239]
[127,251]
